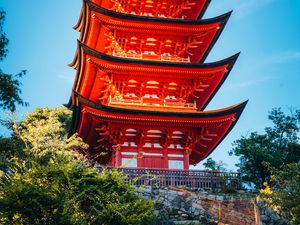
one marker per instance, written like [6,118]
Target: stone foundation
[177,206]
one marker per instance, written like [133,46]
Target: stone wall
[269,216]
[177,206]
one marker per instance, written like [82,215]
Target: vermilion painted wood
[102,78]
[148,38]
[192,135]
[182,9]
[139,88]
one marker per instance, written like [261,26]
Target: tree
[278,146]
[213,165]
[284,193]
[46,180]
[9,83]
[64,192]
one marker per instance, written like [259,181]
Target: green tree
[9,83]
[46,180]
[213,165]
[284,193]
[277,146]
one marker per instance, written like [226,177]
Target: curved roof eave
[238,108]
[204,9]
[99,9]
[230,60]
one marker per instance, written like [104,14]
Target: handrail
[200,179]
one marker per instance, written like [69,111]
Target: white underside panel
[176,164]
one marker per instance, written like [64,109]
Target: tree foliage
[10,85]
[3,38]
[44,180]
[277,146]
[213,165]
[284,192]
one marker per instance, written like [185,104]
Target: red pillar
[118,159]
[186,158]
[165,158]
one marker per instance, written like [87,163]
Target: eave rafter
[190,40]
[200,132]
[99,75]
[182,9]
[141,85]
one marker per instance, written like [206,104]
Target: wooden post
[256,212]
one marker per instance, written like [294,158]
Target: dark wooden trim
[230,60]
[206,114]
[207,3]
[94,7]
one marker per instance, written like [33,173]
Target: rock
[156,212]
[184,215]
[275,216]
[264,218]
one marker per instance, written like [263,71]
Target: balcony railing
[194,179]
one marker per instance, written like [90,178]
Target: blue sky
[267,32]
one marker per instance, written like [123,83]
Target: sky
[267,32]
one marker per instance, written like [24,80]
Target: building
[141,84]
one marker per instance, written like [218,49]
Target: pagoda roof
[238,108]
[216,124]
[192,9]
[213,74]
[206,31]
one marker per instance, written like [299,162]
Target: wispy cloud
[250,83]
[257,74]
[283,57]
[242,8]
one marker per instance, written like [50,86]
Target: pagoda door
[153,162]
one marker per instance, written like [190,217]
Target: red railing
[197,179]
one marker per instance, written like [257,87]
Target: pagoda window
[154,139]
[125,144]
[132,144]
[130,95]
[175,146]
[171,98]
[177,140]
[129,137]
[129,162]
[151,96]
[176,164]
[129,144]
[157,145]
[147,145]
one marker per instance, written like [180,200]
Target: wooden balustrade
[195,179]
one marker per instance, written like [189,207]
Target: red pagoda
[141,84]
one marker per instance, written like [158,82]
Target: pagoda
[141,85]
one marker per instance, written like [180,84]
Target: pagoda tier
[181,9]
[162,85]
[150,139]
[148,38]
